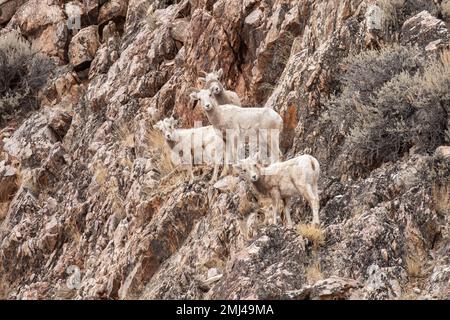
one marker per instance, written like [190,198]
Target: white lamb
[198,145]
[243,122]
[282,181]
[223,96]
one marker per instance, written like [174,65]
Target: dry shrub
[101,174]
[389,106]
[312,233]
[410,110]
[23,72]
[124,135]
[314,273]
[368,71]
[413,266]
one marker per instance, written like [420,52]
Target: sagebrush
[393,101]
[23,71]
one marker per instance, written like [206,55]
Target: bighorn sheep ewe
[243,121]
[283,181]
[199,145]
[212,82]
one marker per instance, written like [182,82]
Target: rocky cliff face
[89,207]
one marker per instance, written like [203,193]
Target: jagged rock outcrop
[8,8]
[83,47]
[44,25]
[426,30]
[90,207]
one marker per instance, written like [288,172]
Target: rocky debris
[384,283]
[64,92]
[59,122]
[44,25]
[442,152]
[108,53]
[375,25]
[374,18]
[33,140]
[427,31]
[83,47]
[115,10]
[8,182]
[180,30]
[333,288]
[439,284]
[270,265]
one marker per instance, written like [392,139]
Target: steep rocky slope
[90,209]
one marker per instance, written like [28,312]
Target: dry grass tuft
[441,198]
[124,135]
[126,162]
[151,19]
[313,233]
[4,207]
[3,288]
[100,174]
[413,266]
[314,273]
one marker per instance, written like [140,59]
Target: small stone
[212,272]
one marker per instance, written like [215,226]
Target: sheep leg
[276,199]
[215,173]
[191,174]
[274,148]
[225,161]
[225,170]
[313,199]
[233,160]
[287,212]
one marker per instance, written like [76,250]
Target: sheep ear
[193,96]
[202,80]
[220,73]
